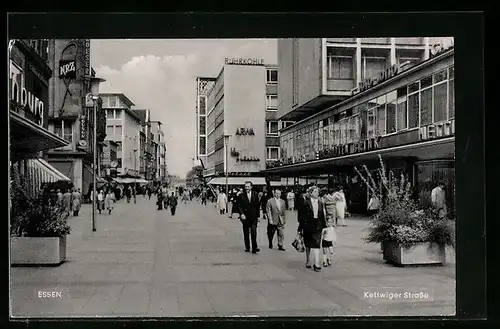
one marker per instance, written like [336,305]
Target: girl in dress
[328,242]
[340,204]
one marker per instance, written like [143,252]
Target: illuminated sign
[382,76]
[244,61]
[20,95]
[245,131]
[82,143]
[67,69]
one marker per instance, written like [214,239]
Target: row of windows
[429,100]
[114,130]
[342,67]
[273,127]
[273,153]
[114,113]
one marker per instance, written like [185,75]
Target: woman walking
[330,205]
[340,205]
[312,221]
[100,201]
[110,201]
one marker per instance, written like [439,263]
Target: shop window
[426,82]
[426,107]
[414,87]
[381,120]
[440,76]
[440,100]
[402,114]
[413,110]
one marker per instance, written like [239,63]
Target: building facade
[203,86]
[406,115]
[159,159]
[29,79]
[318,73]
[123,126]
[68,114]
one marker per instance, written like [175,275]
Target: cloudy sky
[161,75]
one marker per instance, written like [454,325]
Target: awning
[46,172]
[126,180]
[237,180]
[88,176]
[26,137]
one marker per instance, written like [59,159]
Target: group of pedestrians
[164,200]
[105,200]
[70,200]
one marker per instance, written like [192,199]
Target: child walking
[329,238]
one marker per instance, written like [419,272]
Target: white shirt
[278,203]
[249,194]
[315,207]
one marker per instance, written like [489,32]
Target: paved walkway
[143,262]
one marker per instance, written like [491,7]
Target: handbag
[298,243]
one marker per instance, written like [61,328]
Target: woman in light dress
[340,205]
[222,202]
[100,201]
[76,199]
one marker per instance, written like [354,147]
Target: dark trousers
[250,231]
[160,205]
[271,230]
[172,210]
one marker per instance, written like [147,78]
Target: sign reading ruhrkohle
[244,61]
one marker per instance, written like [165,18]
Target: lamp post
[135,175]
[94,92]
[226,165]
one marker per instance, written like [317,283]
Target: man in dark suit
[249,209]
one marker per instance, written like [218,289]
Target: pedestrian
[204,197]
[438,199]
[149,192]
[100,201]
[172,202]
[263,197]
[110,201]
[76,201]
[328,242]
[275,210]
[60,197]
[290,197]
[128,193]
[159,200]
[340,205]
[311,224]
[330,205]
[222,202]
[67,201]
[373,205]
[249,208]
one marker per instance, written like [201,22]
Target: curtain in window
[402,114]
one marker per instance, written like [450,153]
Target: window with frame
[372,66]
[272,76]
[381,101]
[64,129]
[110,114]
[273,153]
[203,105]
[371,123]
[451,92]
[271,102]
[440,99]
[118,146]
[109,130]
[413,110]
[272,127]
[118,114]
[426,107]
[118,130]
[203,124]
[112,101]
[340,67]
[391,112]
[401,109]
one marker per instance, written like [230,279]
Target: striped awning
[46,172]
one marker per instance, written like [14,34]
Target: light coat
[275,210]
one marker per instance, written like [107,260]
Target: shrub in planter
[35,223]
[400,223]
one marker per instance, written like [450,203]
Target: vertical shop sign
[87,57]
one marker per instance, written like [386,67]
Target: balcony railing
[379,41]
[341,40]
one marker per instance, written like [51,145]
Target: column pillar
[78,173]
[358,61]
[393,51]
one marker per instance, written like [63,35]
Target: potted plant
[38,229]
[408,233]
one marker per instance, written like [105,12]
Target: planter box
[418,254]
[37,251]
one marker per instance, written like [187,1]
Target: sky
[160,75]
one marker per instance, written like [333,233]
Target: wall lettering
[21,96]
[245,131]
[244,61]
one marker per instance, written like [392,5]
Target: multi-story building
[318,73]
[145,155]
[109,160]
[68,114]
[203,85]
[124,127]
[29,78]
[159,165]
[406,116]
[236,124]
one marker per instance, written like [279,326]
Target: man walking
[172,201]
[438,199]
[275,210]
[249,208]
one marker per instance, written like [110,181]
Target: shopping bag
[298,243]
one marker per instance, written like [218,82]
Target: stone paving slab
[143,262]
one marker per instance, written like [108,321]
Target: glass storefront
[420,103]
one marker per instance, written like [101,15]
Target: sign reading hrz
[244,61]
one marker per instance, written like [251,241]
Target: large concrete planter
[417,254]
[37,251]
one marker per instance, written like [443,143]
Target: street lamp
[94,93]
[135,175]
[226,142]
